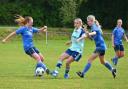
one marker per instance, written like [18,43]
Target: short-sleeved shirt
[27,36]
[77,46]
[118,34]
[98,38]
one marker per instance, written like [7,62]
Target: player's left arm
[92,33]
[43,29]
[125,37]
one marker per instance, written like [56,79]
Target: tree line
[61,13]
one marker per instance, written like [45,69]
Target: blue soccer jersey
[98,38]
[118,34]
[27,35]
[77,46]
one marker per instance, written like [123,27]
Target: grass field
[17,69]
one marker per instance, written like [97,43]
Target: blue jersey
[77,46]
[118,34]
[98,38]
[27,35]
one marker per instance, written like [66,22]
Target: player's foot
[47,71]
[114,73]
[55,73]
[66,76]
[80,74]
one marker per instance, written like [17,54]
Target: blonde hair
[20,20]
[92,18]
[79,20]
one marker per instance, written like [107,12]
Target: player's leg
[31,52]
[122,51]
[75,56]
[67,69]
[88,65]
[107,65]
[63,56]
[117,54]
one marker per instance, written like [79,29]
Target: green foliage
[61,13]
[67,12]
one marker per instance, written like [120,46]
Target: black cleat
[114,73]
[80,74]
[47,71]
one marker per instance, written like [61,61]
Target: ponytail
[20,20]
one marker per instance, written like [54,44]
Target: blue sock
[107,65]
[87,67]
[59,64]
[115,60]
[41,64]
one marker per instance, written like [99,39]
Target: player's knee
[122,55]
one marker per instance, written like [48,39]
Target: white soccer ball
[39,71]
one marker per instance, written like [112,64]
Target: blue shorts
[100,52]
[32,50]
[119,48]
[74,54]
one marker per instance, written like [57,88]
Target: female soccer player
[26,31]
[117,35]
[74,52]
[96,34]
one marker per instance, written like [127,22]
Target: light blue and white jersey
[77,46]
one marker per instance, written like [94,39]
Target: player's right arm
[19,31]
[68,43]
[113,41]
[9,36]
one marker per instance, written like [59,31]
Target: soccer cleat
[66,76]
[47,71]
[55,73]
[80,74]
[114,73]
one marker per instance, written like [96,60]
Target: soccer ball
[39,71]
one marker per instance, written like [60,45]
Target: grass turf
[17,69]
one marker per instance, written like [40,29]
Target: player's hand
[113,45]
[3,41]
[77,40]
[45,28]
[68,43]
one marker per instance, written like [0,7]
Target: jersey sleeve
[35,30]
[20,30]
[82,33]
[114,32]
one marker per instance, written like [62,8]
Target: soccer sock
[41,64]
[87,67]
[115,60]
[67,70]
[58,65]
[107,65]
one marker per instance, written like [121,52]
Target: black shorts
[100,52]
[32,50]
[119,48]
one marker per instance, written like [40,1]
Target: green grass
[17,69]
